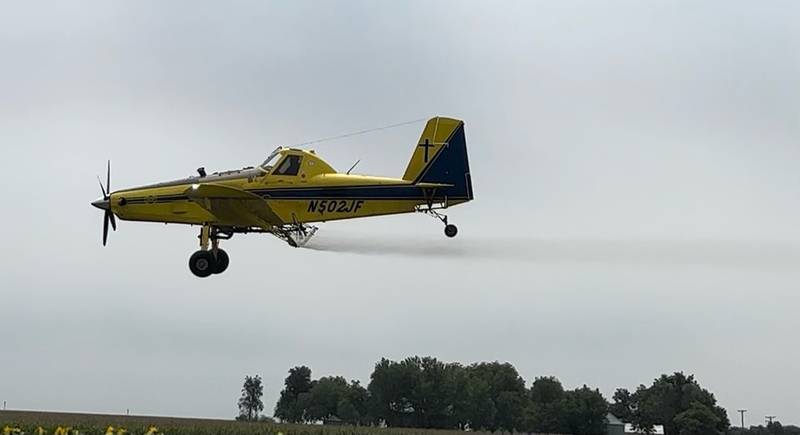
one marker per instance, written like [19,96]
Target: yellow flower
[40,431]
[121,431]
[152,431]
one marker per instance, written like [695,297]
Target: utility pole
[770,418]
[742,411]
[4,405]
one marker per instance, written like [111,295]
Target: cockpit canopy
[290,165]
[291,161]
[271,159]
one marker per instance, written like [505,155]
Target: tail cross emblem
[427,144]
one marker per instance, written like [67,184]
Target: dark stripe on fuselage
[359,192]
[383,192]
[155,199]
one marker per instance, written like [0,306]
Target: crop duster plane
[293,189]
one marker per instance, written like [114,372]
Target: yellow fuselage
[316,193]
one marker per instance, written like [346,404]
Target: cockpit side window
[290,165]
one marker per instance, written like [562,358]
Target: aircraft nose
[101,203]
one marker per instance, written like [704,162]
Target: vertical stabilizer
[440,157]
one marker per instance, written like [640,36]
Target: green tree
[391,386]
[347,412]
[295,395]
[585,412]
[545,410]
[324,398]
[622,407]
[358,397]
[433,397]
[775,428]
[416,392]
[697,420]
[250,403]
[500,378]
[473,406]
[510,406]
[669,396]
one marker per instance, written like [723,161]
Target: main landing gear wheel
[450,230]
[210,259]
[202,264]
[222,261]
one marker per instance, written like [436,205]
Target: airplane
[294,188]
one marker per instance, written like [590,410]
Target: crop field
[57,423]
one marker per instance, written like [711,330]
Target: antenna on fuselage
[354,165]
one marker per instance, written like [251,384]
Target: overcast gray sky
[634,166]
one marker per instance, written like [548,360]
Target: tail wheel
[202,264]
[450,230]
[222,261]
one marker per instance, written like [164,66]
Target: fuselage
[297,185]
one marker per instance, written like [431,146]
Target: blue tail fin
[441,157]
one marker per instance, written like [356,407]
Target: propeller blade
[113,220]
[102,189]
[108,177]
[105,228]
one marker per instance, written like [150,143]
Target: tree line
[424,392]
[428,393]
[771,428]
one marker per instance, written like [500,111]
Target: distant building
[616,426]
[333,421]
[657,430]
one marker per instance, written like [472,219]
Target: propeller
[104,203]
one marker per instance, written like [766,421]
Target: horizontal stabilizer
[433,185]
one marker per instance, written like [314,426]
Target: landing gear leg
[220,257]
[450,230]
[205,235]
[203,262]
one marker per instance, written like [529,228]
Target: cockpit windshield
[271,160]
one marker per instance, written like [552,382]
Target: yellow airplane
[294,188]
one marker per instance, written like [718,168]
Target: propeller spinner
[104,203]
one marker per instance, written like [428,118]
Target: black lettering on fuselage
[334,206]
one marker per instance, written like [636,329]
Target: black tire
[450,230]
[222,261]
[202,264]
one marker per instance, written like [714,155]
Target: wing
[232,206]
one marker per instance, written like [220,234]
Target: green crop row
[44,423]
[42,427]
